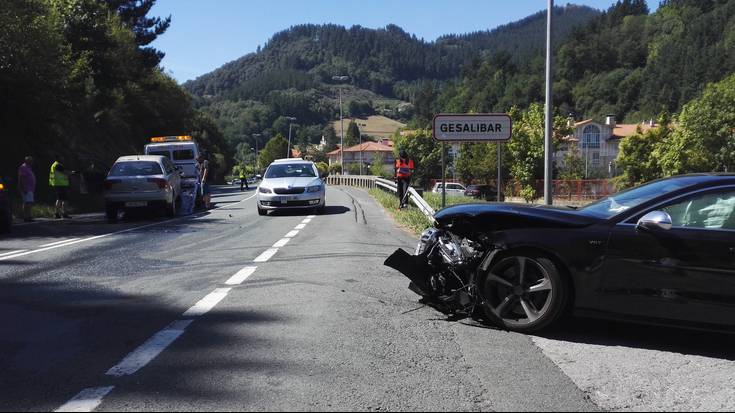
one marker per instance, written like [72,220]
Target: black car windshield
[623,201]
[136,168]
[290,170]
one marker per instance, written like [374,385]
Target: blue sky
[204,35]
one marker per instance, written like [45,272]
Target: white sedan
[291,184]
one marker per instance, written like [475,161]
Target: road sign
[476,127]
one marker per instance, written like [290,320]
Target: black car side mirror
[656,220]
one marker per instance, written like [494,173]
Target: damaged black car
[662,253]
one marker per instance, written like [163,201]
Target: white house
[599,143]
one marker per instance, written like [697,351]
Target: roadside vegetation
[412,218]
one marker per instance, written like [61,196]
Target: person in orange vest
[404,170]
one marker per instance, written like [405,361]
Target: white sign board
[480,127]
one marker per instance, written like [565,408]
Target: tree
[639,156]
[134,14]
[330,137]
[275,149]
[573,168]
[526,147]
[352,136]
[704,140]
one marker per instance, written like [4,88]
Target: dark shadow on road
[57,338]
[610,333]
[328,210]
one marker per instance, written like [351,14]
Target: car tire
[262,212]
[321,209]
[528,303]
[111,213]
[171,208]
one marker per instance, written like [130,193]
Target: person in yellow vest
[59,181]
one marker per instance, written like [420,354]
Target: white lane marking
[59,242]
[87,400]
[306,221]
[265,256]
[207,303]
[300,226]
[150,349]
[311,216]
[11,252]
[281,242]
[241,276]
[24,253]
[291,234]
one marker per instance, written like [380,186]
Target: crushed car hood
[502,216]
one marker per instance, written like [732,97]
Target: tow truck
[183,151]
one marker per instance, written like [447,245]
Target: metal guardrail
[370,182]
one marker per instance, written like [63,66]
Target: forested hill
[375,59]
[525,37]
[627,61]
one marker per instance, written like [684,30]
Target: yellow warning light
[159,139]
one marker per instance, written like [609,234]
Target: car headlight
[315,188]
[264,190]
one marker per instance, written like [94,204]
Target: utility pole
[341,123]
[256,137]
[548,166]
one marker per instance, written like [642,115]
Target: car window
[623,201]
[165,154]
[184,155]
[290,171]
[136,168]
[713,210]
[168,165]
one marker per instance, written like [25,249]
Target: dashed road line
[265,256]
[241,276]
[306,221]
[58,242]
[149,350]
[87,400]
[300,226]
[207,303]
[12,252]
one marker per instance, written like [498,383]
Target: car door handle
[732,250]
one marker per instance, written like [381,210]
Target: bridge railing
[369,182]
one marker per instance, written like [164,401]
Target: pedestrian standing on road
[27,187]
[59,182]
[403,170]
[243,179]
[205,177]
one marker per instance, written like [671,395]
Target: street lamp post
[341,123]
[256,137]
[548,166]
[290,119]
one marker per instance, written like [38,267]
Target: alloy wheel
[519,290]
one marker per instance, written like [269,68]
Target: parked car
[453,189]
[661,253]
[291,184]
[486,192]
[142,182]
[6,215]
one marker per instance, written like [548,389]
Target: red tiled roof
[369,146]
[626,130]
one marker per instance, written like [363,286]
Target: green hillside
[292,74]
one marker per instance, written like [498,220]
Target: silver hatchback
[142,181]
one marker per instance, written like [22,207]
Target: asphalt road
[228,310]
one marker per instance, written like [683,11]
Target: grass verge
[410,218]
